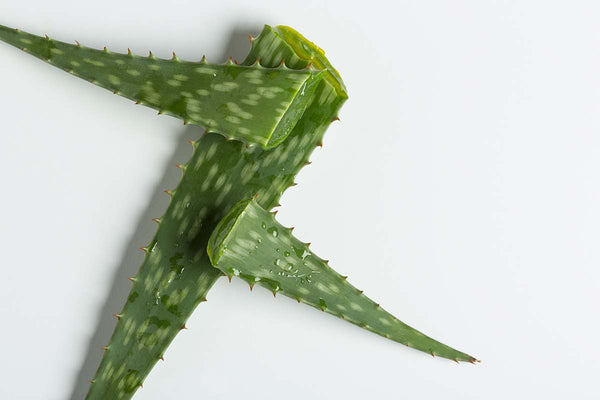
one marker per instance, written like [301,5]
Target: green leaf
[251,244]
[251,103]
[176,274]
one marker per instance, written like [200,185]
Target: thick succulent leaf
[176,273]
[251,244]
[255,104]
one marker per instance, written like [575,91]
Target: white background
[460,190]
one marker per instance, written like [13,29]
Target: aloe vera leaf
[247,102]
[251,244]
[176,273]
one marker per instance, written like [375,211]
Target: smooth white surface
[461,191]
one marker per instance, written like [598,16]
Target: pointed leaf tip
[313,280]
